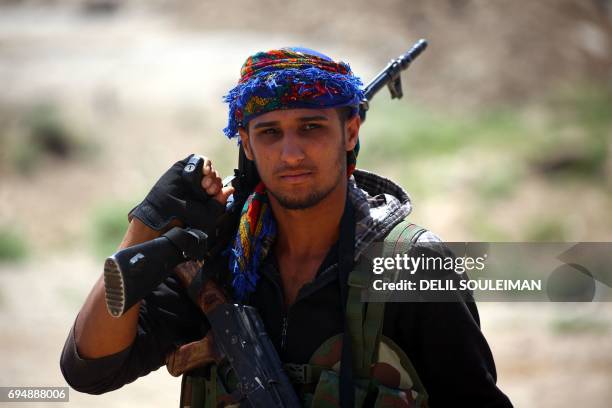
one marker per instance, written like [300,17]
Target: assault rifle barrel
[390,76]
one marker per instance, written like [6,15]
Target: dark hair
[345,113]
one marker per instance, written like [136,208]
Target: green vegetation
[108,226]
[571,133]
[580,127]
[13,247]
[500,184]
[504,160]
[581,325]
[400,131]
[41,133]
[483,227]
[545,229]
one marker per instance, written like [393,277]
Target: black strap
[346,248]
[190,241]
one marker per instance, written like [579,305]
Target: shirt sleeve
[167,319]
[448,350]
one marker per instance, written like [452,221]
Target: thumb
[224,194]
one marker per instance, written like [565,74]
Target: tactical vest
[383,374]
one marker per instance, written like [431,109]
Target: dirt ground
[137,84]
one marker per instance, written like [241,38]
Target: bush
[108,226]
[13,246]
[401,131]
[39,134]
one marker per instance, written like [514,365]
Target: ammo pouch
[205,390]
[392,380]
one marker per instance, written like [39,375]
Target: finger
[210,178]
[206,182]
[224,194]
[213,190]
[214,187]
[206,166]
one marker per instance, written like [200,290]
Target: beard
[316,195]
[313,198]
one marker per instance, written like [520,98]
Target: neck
[312,231]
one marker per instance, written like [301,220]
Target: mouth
[295,177]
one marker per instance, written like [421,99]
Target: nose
[292,152]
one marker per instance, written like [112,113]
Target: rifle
[132,273]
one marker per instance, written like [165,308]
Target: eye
[269,131]
[311,126]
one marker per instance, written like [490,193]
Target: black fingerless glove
[179,194]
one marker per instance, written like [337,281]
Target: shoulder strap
[365,320]
[403,235]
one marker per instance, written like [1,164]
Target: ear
[244,139]
[352,132]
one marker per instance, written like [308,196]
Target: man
[300,233]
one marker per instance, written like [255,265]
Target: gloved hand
[190,191]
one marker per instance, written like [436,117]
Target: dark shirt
[443,340]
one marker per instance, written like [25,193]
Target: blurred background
[504,134]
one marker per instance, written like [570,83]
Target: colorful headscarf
[288,78]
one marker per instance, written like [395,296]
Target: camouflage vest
[383,374]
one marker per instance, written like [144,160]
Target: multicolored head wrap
[288,78]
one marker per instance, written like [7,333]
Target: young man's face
[300,153]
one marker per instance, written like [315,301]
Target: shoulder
[431,242]
[406,236]
[428,236]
